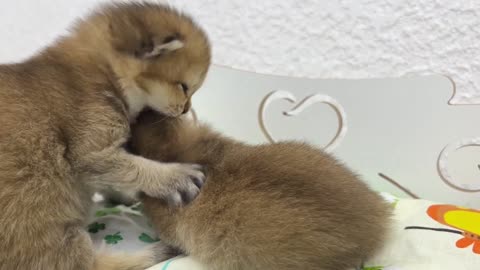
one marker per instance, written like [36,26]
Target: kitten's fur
[277,206]
[64,118]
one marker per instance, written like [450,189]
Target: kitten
[271,207]
[65,116]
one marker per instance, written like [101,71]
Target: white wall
[340,39]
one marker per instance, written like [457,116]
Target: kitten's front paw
[180,185]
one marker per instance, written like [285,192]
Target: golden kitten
[65,115]
[277,206]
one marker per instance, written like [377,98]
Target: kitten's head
[161,137]
[160,56]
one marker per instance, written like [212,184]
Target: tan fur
[64,118]
[271,207]
[105,261]
[127,261]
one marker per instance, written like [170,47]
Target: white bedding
[120,228]
[123,228]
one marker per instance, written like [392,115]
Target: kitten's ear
[150,49]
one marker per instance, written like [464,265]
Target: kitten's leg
[76,252]
[115,168]
[141,260]
[163,218]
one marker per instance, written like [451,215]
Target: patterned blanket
[424,236]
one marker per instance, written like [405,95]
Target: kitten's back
[289,206]
[272,207]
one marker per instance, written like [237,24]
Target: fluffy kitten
[65,115]
[277,206]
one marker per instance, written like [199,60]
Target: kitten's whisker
[159,121]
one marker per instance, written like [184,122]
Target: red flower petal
[464,242]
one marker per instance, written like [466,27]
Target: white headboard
[401,130]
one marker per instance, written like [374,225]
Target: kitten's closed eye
[183,86]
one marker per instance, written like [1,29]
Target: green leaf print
[96,227]
[394,204]
[373,268]
[138,207]
[147,238]
[113,239]
[107,211]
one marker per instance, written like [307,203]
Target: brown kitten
[65,115]
[272,207]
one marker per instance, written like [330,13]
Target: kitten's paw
[179,184]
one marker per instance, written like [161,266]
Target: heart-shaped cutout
[299,108]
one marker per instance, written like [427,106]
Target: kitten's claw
[198,182]
[180,186]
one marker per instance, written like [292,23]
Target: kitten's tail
[141,260]
[122,261]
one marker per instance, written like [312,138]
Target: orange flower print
[466,221]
